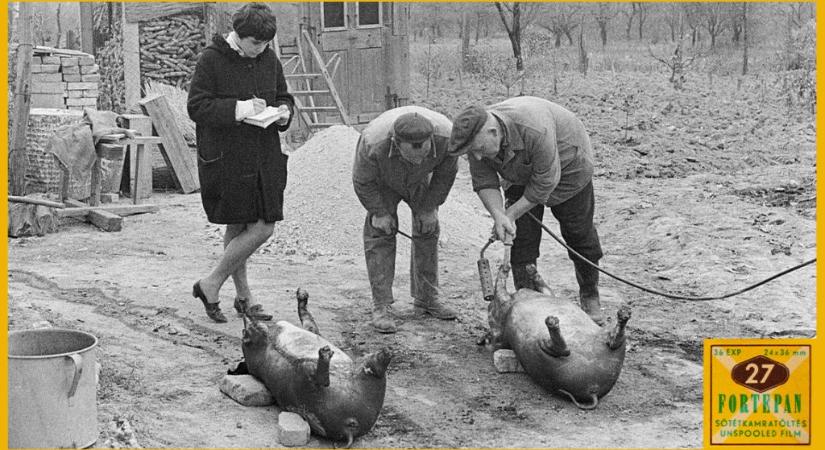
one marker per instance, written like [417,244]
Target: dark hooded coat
[241,168]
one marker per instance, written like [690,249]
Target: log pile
[169,48]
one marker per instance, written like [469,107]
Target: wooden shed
[363,48]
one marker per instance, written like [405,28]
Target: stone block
[90,77]
[91,93]
[72,77]
[89,69]
[37,60]
[51,60]
[293,430]
[45,68]
[48,101]
[47,88]
[75,94]
[83,101]
[70,69]
[246,390]
[80,86]
[505,361]
[86,60]
[69,61]
[47,77]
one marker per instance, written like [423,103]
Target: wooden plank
[94,193]
[131,61]
[101,218]
[174,148]
[143,125]
[22,103]
[35,201]
[121,210]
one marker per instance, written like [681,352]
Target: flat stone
[293,430]
[505,361]
[246,390]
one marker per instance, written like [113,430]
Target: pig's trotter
[554,345]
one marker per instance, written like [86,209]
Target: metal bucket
[52,389]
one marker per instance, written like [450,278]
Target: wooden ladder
[313,101]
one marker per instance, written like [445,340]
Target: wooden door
[356,32]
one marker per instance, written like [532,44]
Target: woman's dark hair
[256,20]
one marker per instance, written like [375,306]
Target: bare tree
[799,13]
[678,63]
[630,14]
[465,40]
[561,20]
[693,17]
[584,60]
[605,13]
[744,23]
[715,20]
[515,17]
[674,18]
[642,10]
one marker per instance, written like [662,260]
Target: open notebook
[266,117]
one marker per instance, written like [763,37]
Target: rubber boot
[588,278]
[424,277]
[379,251]
[383,320]
[527,276]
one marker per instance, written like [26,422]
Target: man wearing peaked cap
[540,154]
[402,155]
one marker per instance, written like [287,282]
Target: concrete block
[48,101]
[90,77]
[75,94]
[72,77]
[91,93]
[246,390]
[51,60]
[86,60]
[45,68]
[505,361]
[47,88]
[293,430]
[80,86]
[89,69]
[47,78]
[70,69]
[83,101]
[37,60]
[69,60]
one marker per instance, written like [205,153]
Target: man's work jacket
[380,171]
[544,148]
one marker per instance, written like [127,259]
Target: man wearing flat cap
[540,154]
[402,155]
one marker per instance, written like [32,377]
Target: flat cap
[465,127]
[412,127]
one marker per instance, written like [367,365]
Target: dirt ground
[701,220]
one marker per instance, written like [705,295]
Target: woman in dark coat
[241,168]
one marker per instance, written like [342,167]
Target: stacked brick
[63,79]
[42,172]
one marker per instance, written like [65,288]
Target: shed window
[369,14]
[334,15]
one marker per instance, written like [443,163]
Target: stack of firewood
[169,48]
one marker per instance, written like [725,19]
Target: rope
[665,294]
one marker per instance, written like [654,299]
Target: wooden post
[174,149]
[140,161]
[87,28]
[131,59]
[22,102]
